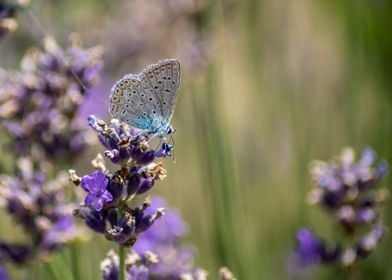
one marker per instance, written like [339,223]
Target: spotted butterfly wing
[147,100]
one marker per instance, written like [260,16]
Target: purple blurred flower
[39,206]
[8,13]
[96,184]
[63,231]
[15,252]
[308,246]
[40,103]
[347,189]
[369,241]
[110,266]
[165,240]
[137,272]
[137,266]
[3,274]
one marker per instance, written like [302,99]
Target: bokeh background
[267,86]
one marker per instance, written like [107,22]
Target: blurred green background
[281,82]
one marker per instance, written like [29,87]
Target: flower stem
[121,254]
[352,272]
[75,257]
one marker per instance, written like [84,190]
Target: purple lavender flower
[110,193]
[137,266]
[137,272]
[347,190]
[369,241]
[63,231]
[164,239]
[3,274]
[96,185]
[39,105]
[40,208]
[8,13]
[15,252]
[309,246]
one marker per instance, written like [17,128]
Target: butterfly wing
[147,100]
[129,102]
[164,79]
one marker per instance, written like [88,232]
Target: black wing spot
[159,82]
[167,90]
[156,87]
[150,99]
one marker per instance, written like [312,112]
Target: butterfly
[146,100]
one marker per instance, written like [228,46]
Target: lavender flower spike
[347,189]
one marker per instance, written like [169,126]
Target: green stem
[352,272]
[75,257]
[121,254]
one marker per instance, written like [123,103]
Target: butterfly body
[147,100]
